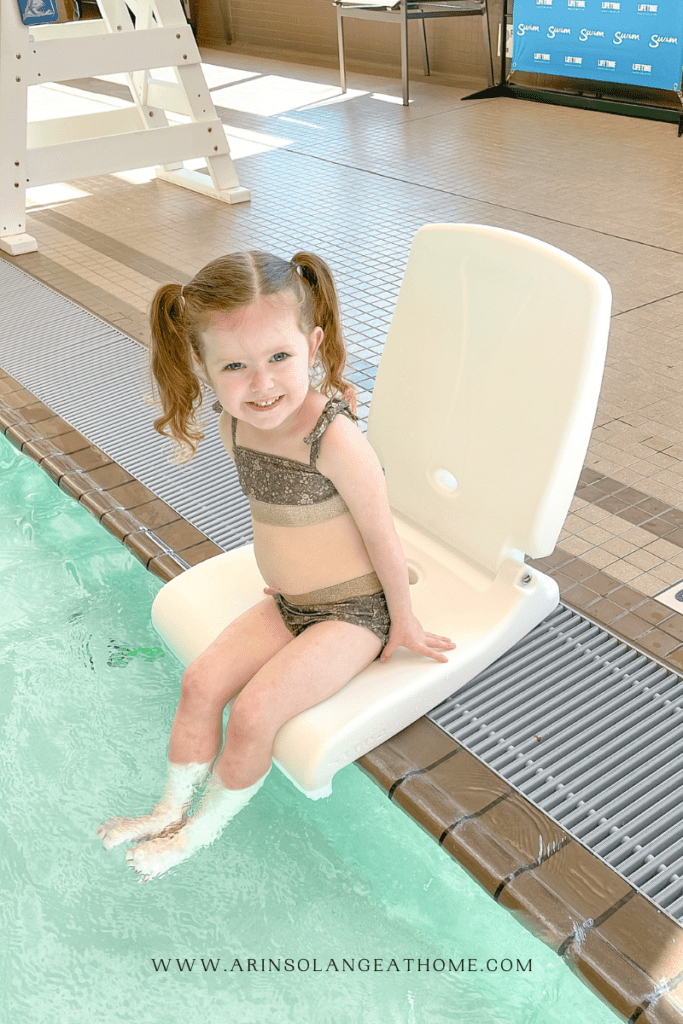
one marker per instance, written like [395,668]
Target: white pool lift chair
[481,416]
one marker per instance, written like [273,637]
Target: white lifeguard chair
[481,416]
[139,135]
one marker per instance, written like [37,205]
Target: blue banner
[626,41]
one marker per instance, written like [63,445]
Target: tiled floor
[353,177]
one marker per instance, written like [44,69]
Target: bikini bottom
[360,601]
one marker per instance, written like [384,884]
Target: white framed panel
[58,59]
[89,157]
[65,130]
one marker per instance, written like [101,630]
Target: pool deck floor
[353,178]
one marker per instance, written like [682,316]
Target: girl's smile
[265,405]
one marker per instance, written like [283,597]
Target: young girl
[255,327]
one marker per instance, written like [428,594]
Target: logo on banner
[609,65]
[586,33]
[610,6]
[521,29]
[554,31]
[541,56]
[647,8]
[573,60]
[576,3]
[644,68]
[37,12]
[544,3]
[656,40]
[620,36]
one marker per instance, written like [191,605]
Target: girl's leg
[215,677]
[315,665]
[207,686]
[311,668]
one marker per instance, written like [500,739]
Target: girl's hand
[270,590]
[407,632]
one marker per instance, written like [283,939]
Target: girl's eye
[279,357]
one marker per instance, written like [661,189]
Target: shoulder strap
[333,407]
[234,428]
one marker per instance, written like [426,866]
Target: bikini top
[285,492]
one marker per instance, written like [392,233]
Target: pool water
[88,696]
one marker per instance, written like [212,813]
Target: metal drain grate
[591,731]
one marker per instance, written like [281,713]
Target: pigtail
[318,276]
[178,389]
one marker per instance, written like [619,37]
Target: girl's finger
[436,657]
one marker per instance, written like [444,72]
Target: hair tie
[181,298]
[307,273]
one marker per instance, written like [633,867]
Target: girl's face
[257,361]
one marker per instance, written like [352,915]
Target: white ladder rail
[82,146]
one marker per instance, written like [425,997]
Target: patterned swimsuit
[285,492]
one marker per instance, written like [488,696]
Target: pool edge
[157,535]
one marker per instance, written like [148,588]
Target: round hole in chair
[413,575]
[445,481]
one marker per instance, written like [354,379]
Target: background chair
[403,11]
[481,416]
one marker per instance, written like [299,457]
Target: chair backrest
[487,389]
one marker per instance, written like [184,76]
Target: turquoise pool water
[88,697]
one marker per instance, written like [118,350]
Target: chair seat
[484,614]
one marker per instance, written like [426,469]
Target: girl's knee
[249,718]
[200,685]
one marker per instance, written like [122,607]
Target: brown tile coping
[100,485]
[609,934]
[612,937]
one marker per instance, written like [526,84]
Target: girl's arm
[350,462]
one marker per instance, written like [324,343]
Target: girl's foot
[131,830]
[155,856]
[219,805]
[169,813]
